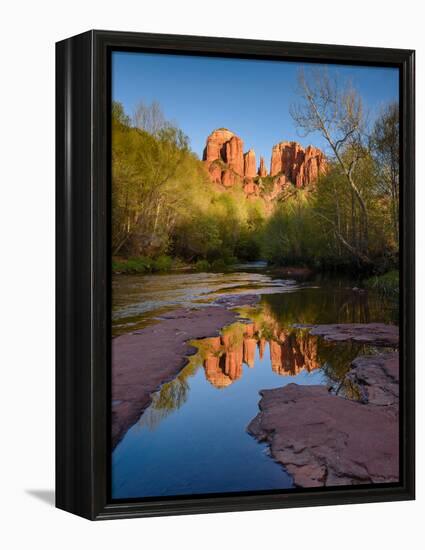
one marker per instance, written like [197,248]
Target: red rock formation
[214,149]
[234,155]
[300,166]
[229,178]
[215,172]
[224,145]
[290,163]
[299,422]
[250,167]
[262,171]
[251,188]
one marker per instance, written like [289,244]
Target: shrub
[219,265]
[202,265]
[142,264]
[387,284]
[162,263]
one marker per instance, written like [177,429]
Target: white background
[29,30]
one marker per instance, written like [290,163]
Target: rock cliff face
[300,166]
[291,164]
[250,168]
[262,171]
[223,145]
[215,147]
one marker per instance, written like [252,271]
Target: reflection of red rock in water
[213,369]
[293,353]
[290,353]
[249,347]
[233,357]
[214,372]
[262,347]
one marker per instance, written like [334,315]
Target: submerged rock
[235,300]
[377,334]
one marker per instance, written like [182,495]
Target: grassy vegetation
[387,284]
[143,264]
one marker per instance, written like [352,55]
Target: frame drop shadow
[45,495]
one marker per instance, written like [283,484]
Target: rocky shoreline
[145,359]
[323,439]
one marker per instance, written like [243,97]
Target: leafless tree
[149,118]
[385,143]
[337,114]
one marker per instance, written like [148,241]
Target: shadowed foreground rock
[325,440]
[145,359]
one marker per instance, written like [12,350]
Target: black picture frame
[83,271]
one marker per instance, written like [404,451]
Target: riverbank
[325,439]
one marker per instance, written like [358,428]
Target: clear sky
[250,97]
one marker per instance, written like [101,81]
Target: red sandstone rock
[376,334]
[224,145]
[251,188]
[326,440]
[376,378]
[262,171]
[250,167]
[290,162]
[229,178]
[234,155]
[215,149]
[215,172]
[300,166]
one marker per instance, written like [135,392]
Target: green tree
[385,145]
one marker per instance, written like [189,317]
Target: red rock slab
[326,440]
[145,359]
[377,378]
[376,334]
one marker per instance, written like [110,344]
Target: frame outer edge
[82,272]
[74,417]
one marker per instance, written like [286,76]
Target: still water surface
[193,439]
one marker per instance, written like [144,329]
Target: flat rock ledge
[376,334]
[326,440]
[145,359]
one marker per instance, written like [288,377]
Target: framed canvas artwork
[235,274]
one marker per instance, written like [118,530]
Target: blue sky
[250,97]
